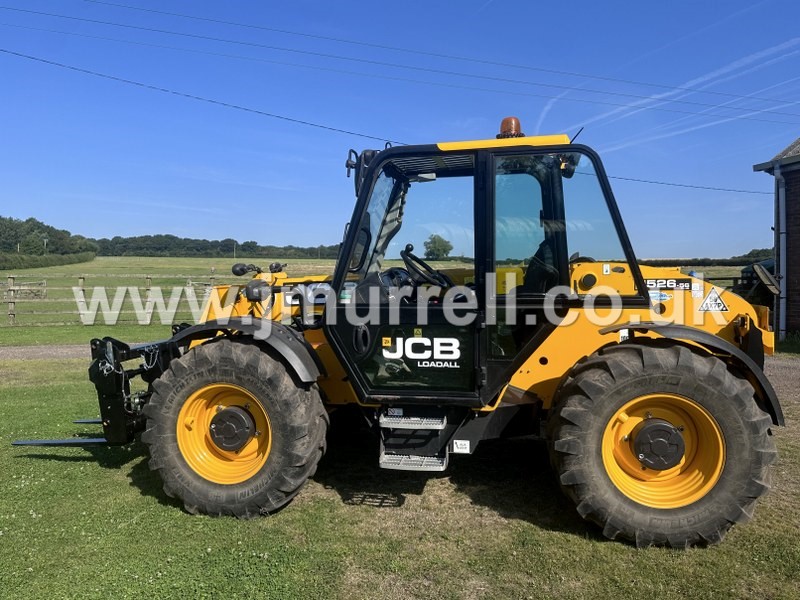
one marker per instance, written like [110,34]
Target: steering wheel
[422,272]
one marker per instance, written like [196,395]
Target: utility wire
[438,55]
[451,73]
[301,121]
[326,69]
[686,185]
[194,96]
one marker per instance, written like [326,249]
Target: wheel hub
[658,444]
[232,428]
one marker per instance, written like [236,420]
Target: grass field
[77,523]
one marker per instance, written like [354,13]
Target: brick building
[785,167]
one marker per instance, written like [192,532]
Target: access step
[412,421]
[409,462]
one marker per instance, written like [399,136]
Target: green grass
[77,523]
[791,344]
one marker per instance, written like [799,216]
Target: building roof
[789,155]
[792,150]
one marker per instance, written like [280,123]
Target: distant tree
[249,248]
[757,254]
[437,248]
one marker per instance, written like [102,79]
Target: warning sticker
[713,303]
[460,446]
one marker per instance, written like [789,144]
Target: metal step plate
[412,422]
[407,462]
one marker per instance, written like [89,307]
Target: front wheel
[660,445]
[231,432]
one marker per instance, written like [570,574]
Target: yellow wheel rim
[199,450]
[690,480]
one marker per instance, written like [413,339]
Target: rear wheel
[231,432]
[660,445]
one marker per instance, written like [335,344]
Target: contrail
[667,126]
[697,31]
[550,104]
[702,81]
[712,82]
[636,142]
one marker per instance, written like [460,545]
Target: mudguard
[290,345]
[764,390]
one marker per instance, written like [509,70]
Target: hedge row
[26,261]
[738,261]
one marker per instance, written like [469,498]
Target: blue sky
[104,158]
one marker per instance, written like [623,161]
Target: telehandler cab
[647,383]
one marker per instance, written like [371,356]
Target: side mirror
[359,163]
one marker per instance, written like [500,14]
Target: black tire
[297,424]
[592,403]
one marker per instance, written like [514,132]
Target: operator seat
[540,276]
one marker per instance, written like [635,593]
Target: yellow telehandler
[647,383]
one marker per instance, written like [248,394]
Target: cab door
[407,312]
[554,240]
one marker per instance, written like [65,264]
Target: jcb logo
[420,348]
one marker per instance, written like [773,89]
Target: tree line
[755,255]
[171,245]
[32,238]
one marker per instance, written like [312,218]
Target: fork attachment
[120,410]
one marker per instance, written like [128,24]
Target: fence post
[12,312]
[82,284]
[148,282]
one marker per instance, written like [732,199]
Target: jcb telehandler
[647,383]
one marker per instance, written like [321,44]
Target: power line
[686,185]
[303,122]
[277,62]
[319,68]
[440,55]
[451,73]
[195,97]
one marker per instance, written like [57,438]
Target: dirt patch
[45,352]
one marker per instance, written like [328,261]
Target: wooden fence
[41,303]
